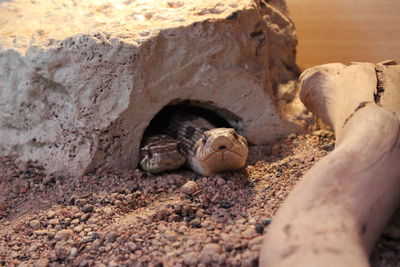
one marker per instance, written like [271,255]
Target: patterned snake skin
[191,139]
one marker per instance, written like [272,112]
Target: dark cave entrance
[217,116]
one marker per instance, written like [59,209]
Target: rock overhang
[81,102]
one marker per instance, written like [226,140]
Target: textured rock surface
[80,81]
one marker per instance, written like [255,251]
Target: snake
[191,140]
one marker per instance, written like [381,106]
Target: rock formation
[81,80]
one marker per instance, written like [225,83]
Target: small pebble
[62,252]
[87,240]
[73,252]
[250,232]
[266,221]
[190,258]
[328,147]
[92,220]
[314,140]
[108,211]
[171,235]
[189,187]
[35,224]
[131,246]
[220,181]
[259,228]
[182,229]
[41,232]
[51,214]
[111,236]
[195,223]
[211,248]
[33,248]
[95,236]
[96,244]
[85,217]
[87,208]
[41,263]
[226,205]
[54,221]
[78,228]
[63,234]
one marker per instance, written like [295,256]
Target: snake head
[219,149]
[161,153]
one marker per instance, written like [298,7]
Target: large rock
[81,80]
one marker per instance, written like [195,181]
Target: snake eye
[204,140]
[149,153]
[235,135]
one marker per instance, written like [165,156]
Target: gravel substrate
[133,218]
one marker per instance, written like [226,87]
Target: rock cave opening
[218,116]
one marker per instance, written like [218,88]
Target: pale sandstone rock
[81,80]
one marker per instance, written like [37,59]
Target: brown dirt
[132,218]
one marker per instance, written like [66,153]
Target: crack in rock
[380,83]
[360,106]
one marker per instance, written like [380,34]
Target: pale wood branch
[335,214]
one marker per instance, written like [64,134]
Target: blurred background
[346,30]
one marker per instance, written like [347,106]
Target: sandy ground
[132,218]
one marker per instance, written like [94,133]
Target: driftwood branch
[335,214]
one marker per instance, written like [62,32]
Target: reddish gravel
[132,218]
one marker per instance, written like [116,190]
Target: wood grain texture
[337,211]
[345,31]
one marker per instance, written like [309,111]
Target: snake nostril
[221,143]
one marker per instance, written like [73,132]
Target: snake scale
[194,140]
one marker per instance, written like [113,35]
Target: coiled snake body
[189,138]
